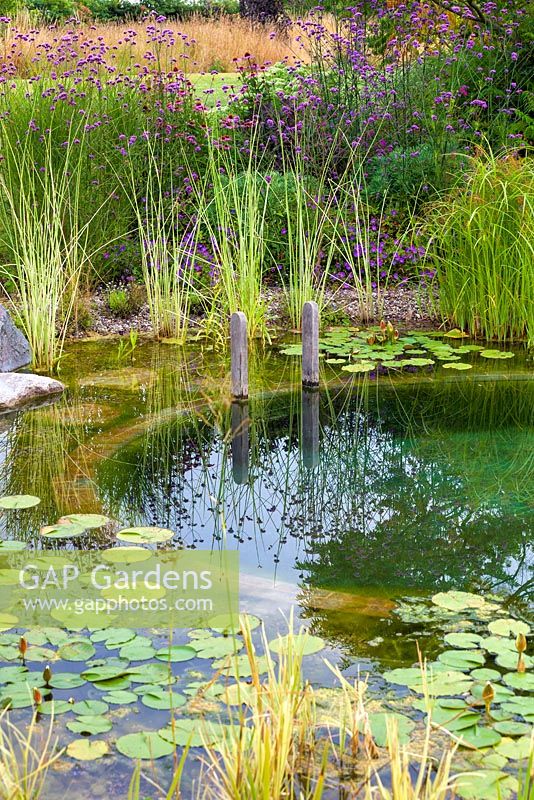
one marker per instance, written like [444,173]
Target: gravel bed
[405,305]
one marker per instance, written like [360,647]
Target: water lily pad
[15,502]
[144,745]
[54,707]
[145,535]
[463,660]
[515,749]
[87,749]
[479,737]
[89,724]
[379,726]
[12,545]
[459,365]
[508,660]
[360,366]
[162,699]
[485,784]
[150,673]
[516,705]
[177,653]
[66,680]
[113,637]
[458,601]
[239,666]
[335,360]
[508,627]
[137,652]
[62,530]
[40,654]
[76,651]
[456,333]
[303,643]
[120,697]
[485,674]
[112,684]
[467,641]
[512,728]
[91,707]
[87,520]
[496,354]
[524,681]
[12,674]
[501,692]
[215,646]
[105,672]
[230,623]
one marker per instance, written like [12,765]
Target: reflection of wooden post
[310,344]
[240,424]
[239,351]
[310,427]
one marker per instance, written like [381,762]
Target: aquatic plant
[26,755]
[482,248]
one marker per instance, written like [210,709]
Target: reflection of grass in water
[37,461]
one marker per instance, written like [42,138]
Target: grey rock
[15,351]
[21,388]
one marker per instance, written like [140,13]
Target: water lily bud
[521,643]
[23,646]
[488,695]
[47,674]
[37,696]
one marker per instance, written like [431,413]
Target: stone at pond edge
[15,351]
[19,388]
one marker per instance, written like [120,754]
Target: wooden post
[240,426]
[239,350]
[310,344]
[310,428]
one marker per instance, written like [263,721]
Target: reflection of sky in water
[419,486]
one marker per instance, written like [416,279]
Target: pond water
[339,501]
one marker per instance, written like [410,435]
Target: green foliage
[482,247]
[119,302]
[52,10]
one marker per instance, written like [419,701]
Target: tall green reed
[45,241]
[482,248]
[232,201]
[167,254]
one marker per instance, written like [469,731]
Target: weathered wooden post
[310,428]
[239,355]
[310,344]
[240,426]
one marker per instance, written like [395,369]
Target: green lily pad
[379,726]
[137,652]
[462,659]
[90,707]
[113,684]
[524,681]
[144,745]
[239,666]
[54,707]
[456,333]
[215,646]
[66,680]
[360,366]
[496,354]
[465,641]
[162,699]
[89,724]
[509,660]
[76,651]
[87,749]
[512,728]
[40,654]
[178,652]
[508,627]
[13,674]
[515,705]
[150,673]
[335,360]
[501,692]
[12,545]
[113,637]
[304,643]
[104,673]
[15,502]
[478,738]
[145,535]
[485,674]
[87,520]
[228,623]
[515,749]
[485,784]
[120,697]
[459,365]
[62,530]
[458,601]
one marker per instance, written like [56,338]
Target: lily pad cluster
[361,351]
[480,690]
